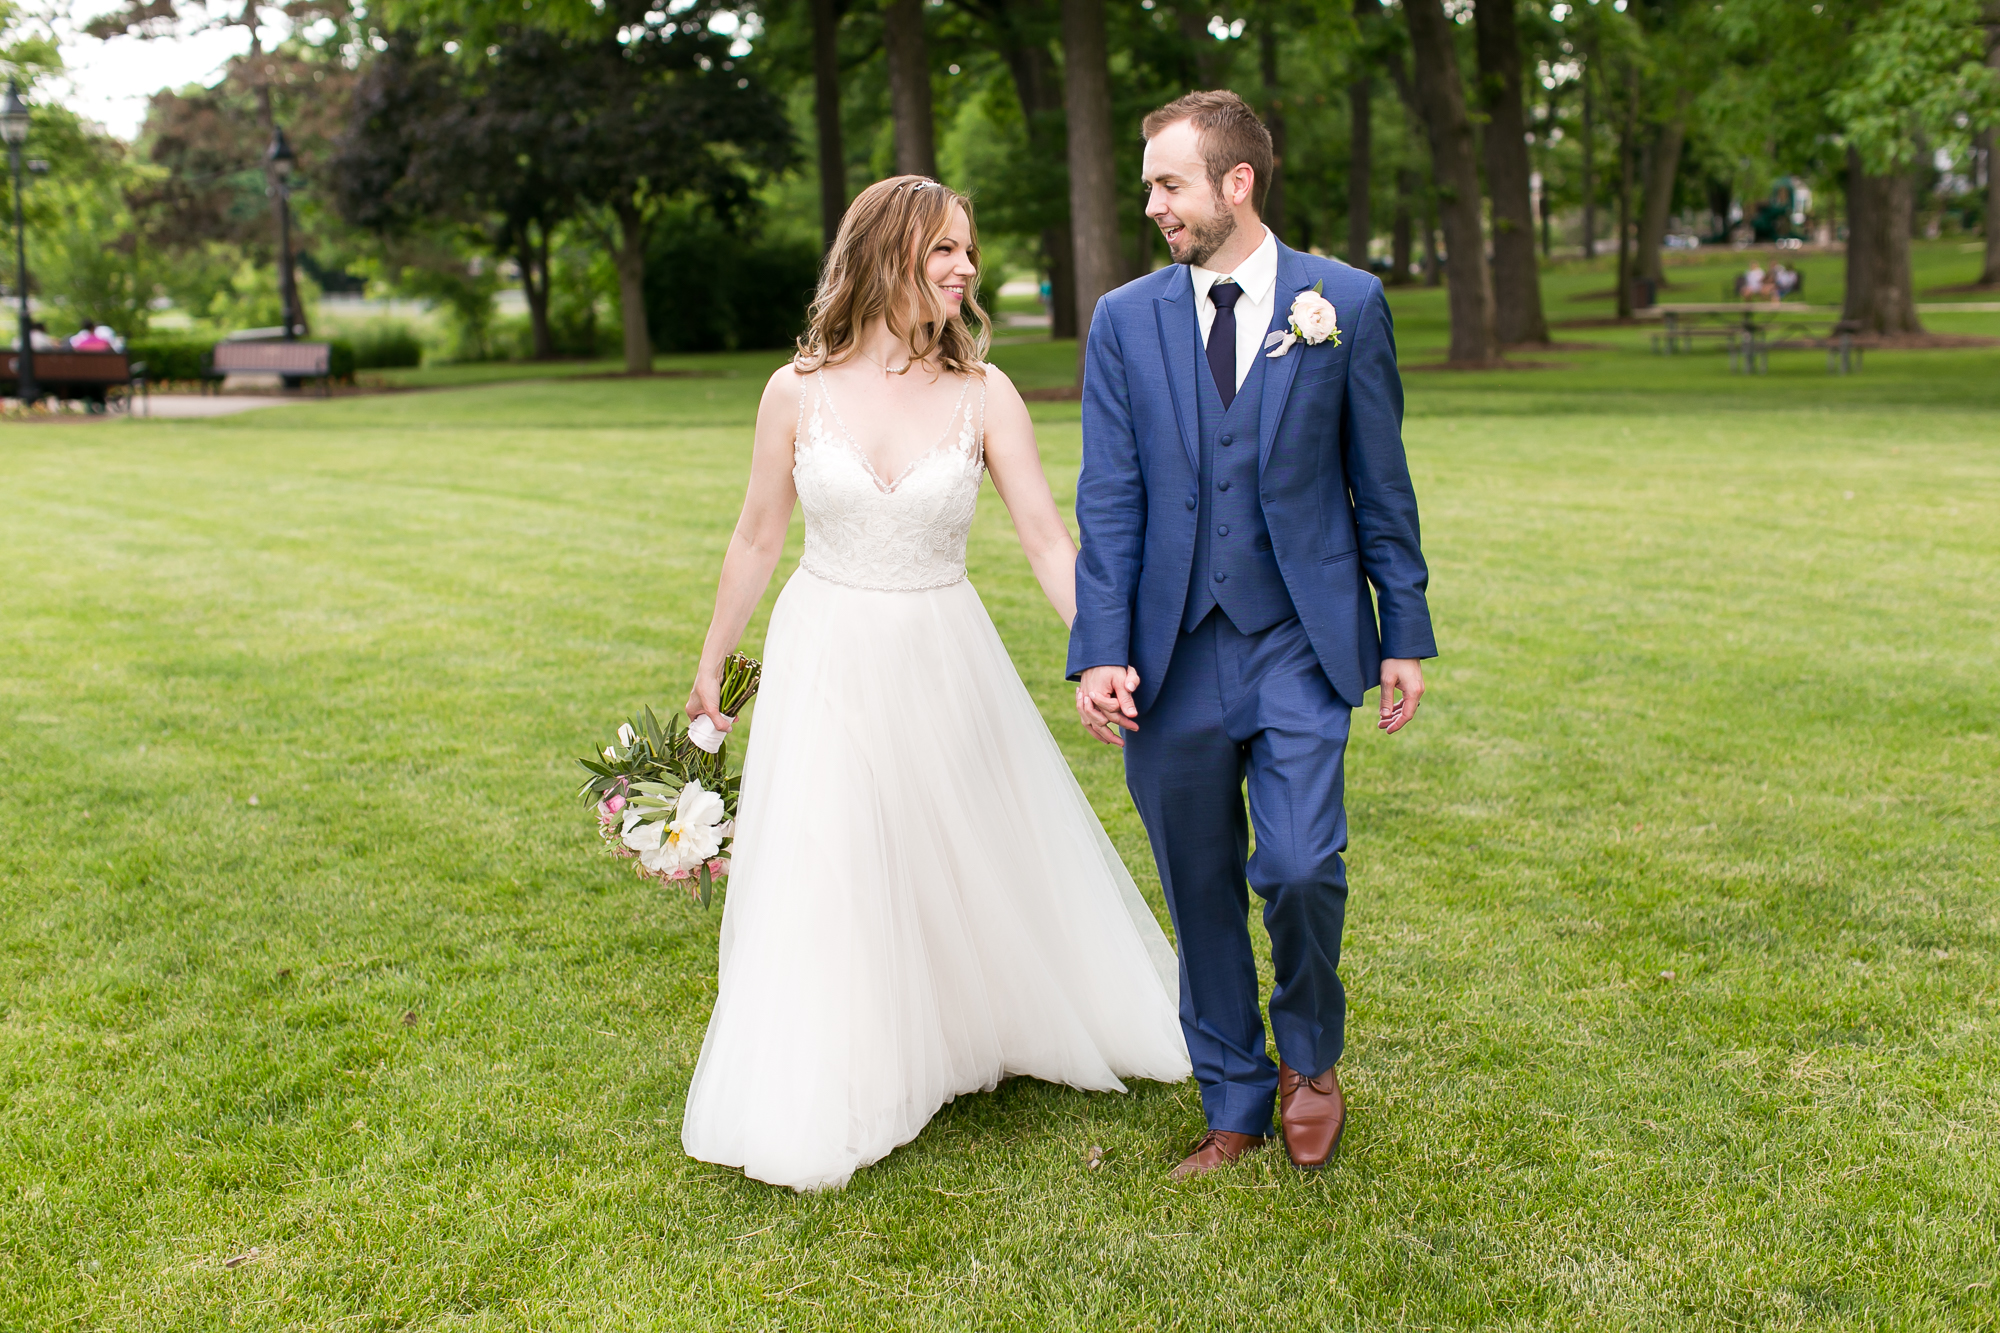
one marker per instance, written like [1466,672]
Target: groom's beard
[1205,237]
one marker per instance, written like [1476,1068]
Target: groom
[1241,491]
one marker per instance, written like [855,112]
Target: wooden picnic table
[1746,327]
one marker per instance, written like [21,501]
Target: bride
[921,901]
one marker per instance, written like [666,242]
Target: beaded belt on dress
[806,564]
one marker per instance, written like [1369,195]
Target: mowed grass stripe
[1700,713]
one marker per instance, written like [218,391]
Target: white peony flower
[679,845]
[1313,319]
[696,830]
[644,839]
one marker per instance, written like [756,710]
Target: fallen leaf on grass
[409,1018]
[238,1260]
[1094,1158]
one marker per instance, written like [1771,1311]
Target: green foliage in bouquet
[646,772]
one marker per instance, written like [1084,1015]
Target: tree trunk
[1401,230]
[1628,130]
[629,257]
[1879,299]
[1990,275]
[1060,255]
[1433,266]
[1361,148]
[1033,69]
[1589,163]
[534,262]
[1547,211]
[826,118]
[1274,121]
[1517,289]
[1209,56]
[1660,176]
[910,87]
[1093,183]
[1440,92]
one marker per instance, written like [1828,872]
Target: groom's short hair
[1230,134]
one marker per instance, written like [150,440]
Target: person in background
[87,339]
[40,339]
[1786,281]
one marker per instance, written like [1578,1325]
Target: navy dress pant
[1257,709]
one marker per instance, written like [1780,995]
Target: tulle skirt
[921,901]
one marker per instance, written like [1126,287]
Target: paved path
[167,405]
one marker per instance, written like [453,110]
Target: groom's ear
[1242,183]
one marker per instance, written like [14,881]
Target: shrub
[171,359]
[709,289]
[384,346]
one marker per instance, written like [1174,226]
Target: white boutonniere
[1313,320]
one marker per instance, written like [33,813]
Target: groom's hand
[1405,674]
[1104,702]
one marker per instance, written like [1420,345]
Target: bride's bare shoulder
[999,389]
[785,387]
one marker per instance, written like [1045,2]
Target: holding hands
[1104,698]
[1104,702]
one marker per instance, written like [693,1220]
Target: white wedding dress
[921,901]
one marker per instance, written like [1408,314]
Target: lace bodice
[898,535]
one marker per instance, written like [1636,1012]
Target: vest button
[1191,502]
[1222,531]
[1228,440]
[1221,485]
[1220,577]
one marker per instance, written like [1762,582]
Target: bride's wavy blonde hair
[876,267]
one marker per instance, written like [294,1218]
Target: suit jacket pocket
[1336,559]
[1321,365]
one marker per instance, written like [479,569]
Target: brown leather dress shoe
[1218,1147]
[1312,1114]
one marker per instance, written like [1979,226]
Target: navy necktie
[1222,339]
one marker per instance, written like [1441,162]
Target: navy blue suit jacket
[1333,481]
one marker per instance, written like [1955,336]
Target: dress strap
[799,426]
[979,434]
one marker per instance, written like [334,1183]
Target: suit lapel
[1180,351]
[1278,374]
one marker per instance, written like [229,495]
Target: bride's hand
[706,699]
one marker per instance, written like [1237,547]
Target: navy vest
[1233,565]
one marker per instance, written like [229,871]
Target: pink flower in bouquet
[718,867]
[612,804]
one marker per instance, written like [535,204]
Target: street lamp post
[14,128]
[281,160]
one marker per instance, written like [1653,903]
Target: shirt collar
[1256,275]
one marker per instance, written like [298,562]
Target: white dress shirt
[1258,277]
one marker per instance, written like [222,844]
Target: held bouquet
[665,797]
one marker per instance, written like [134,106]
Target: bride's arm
[1016,467]
[757,543]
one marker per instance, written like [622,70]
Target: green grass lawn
[1672,941]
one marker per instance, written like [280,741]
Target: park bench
[294,361]
[102,380]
